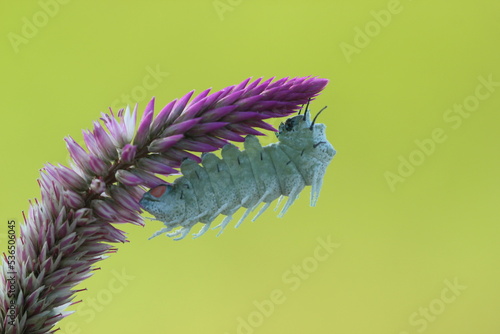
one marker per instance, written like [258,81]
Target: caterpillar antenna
[315,117]
[307,107]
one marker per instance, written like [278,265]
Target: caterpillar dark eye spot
[282,126]
[289,124]
[244,179]
[158,191]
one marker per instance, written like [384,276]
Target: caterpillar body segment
[243,178]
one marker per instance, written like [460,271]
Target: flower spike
[68,231]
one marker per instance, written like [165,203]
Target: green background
[392,82]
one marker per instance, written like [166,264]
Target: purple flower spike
[218,113]
[201,129]
[148,178]
[179,106]
[128,153]
[97,165]
[68,231]
[147,118]
[155,166]
[78,154]
[73,199]
[192,145]
[128,123]
[160,120]
[98,186]
[163,144]
[127,178]
[104,210]
[104,142]
[179,128]
[123,198]
[70,179]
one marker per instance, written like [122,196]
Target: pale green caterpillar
[244,179]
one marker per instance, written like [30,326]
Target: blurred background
[405,235]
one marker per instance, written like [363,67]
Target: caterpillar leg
[264,208]
[170,227]
[218,212]
[149,218]
[243,201]
[280,199]
[187,226]
[202,231]
[163,230]
[206,227]
[224,224]
[316,188]
[249,210]
[182,231]
[291,198]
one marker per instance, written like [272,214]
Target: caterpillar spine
[243,179]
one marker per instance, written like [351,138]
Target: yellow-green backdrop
[405,236]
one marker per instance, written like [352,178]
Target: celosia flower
[68,230]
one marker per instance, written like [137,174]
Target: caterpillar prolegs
[244,178]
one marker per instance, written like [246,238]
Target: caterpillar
[244,178]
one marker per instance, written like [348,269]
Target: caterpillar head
[164,203]
[301,133]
